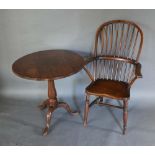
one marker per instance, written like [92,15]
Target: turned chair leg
[125,115]
[86,110]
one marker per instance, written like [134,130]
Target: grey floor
[21,123]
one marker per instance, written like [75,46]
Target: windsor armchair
[114,65]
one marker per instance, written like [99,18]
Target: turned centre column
[52,94]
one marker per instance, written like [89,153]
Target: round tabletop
[48,65]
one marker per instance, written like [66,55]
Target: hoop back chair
[115,65]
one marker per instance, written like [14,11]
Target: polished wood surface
[109,88]
[114,64]
[49,64]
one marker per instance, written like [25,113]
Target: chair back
[118,45]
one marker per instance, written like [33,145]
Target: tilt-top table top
[48,64]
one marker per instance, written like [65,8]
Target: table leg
[67,107]
[48,120]
[51,103]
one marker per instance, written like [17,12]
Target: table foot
[48,120]
[67,108]
[45,131]
[51,109]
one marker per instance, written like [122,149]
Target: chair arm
[88,73]
[138,73]
[87,60]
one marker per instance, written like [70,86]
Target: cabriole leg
[67,108]
[48,120]
[51,103]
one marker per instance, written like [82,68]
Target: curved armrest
[138,73]
[89,59]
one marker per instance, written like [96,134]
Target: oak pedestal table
[49,65]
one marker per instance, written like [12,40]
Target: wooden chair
[115,65]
